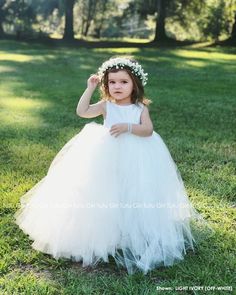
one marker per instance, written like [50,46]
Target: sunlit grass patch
[21,111]
[20,57]
[122,51]
[15,57]
[19,103]
[211,55]
[194,63]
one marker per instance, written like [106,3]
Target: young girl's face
[120,86]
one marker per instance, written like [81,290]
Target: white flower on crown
[121,63]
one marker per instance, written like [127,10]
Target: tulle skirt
[105,196]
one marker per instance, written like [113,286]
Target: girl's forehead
[122,74]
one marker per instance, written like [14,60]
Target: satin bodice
[122,113]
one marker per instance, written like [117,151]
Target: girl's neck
[123,102]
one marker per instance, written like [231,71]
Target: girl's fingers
[94,78]
[114,132]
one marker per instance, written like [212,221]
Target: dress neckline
[124,105]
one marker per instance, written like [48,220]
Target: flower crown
[122,63]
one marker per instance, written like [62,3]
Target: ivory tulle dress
[105,196]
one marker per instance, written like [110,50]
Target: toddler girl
[113,189]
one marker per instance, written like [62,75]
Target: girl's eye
[124,82]
[111,82]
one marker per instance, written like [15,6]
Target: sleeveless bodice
[122,114]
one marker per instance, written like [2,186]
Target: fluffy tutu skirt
[104,196]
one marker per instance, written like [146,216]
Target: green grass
[193,93]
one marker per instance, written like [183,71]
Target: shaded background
[146,20]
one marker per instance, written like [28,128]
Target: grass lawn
[193,93]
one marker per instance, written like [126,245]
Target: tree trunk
[232,39]
[82,27]
[1,20]
[233,33]
[160,33]
[99,27]
[88,22]
[91,11]
[1,30]
[69,20]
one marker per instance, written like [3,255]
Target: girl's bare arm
[146,126]
[84,108]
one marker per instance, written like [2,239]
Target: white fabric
[111,196]
[125,114]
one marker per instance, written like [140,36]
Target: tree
[160,9]
[103,5]
[178,10]
[97,16]
[69,20]
[49,15]
[214,22]
[233,32]
[160,32]
[91,9]
[232,38]
[2,17]
[19,15]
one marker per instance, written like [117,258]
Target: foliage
[217,19]
[99,18]
[18,16]
[49,16]
[181,19]
[190,19]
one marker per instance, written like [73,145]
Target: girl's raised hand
[93,81]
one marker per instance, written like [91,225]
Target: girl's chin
[120,97]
